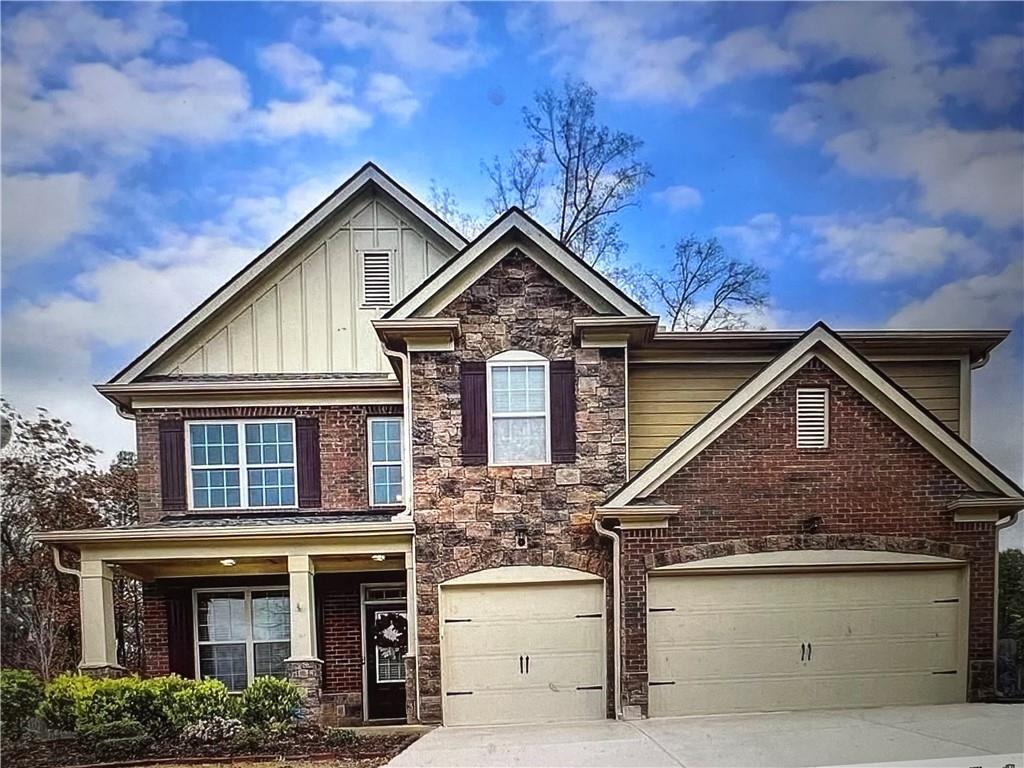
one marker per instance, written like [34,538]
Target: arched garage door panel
[805,640]
[521,653]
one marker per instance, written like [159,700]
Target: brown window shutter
[563,411]
[307,460]
[474,413]
[180,641]
[172,464]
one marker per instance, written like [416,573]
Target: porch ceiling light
[379,558]
[227,561]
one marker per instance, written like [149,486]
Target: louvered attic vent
[812,418]
[377,280]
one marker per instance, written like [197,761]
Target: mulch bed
[365,752]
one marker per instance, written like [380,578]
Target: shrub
[164,689]
[116,740]
[122,698]
[194,702]
[64,695]
[250,739]
[212,730]
[269,700]
[20,696]
[341,737]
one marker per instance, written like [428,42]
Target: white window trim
[242,466]
[390,253]
[519,359]
[250,643]
[371,463]
[827,436]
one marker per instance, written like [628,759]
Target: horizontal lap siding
[667,399]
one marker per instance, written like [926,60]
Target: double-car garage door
[522,649]
[785,639]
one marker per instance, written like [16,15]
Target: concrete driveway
[961,735]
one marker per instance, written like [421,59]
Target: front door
[386,644]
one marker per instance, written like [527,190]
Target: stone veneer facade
[752,490]
[467,516]
[343,466]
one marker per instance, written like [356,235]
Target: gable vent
[377,280]
[812,418]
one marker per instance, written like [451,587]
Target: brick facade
[343,463]
[753,490]
[466,516]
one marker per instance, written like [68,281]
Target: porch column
[96,603]
[412,635]
[302,666]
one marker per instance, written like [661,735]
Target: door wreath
[390,631]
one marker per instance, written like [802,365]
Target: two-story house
[473,482]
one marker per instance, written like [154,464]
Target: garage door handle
[527,665]
[810,650]
[803,650]
[520,665]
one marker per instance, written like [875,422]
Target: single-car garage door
[770,640]
[523,651]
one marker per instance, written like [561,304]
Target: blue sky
[871,156]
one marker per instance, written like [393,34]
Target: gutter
[1009,521]
[616,611]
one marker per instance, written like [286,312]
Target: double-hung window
[385,450]
[241,634]
[518,404]
[240,464]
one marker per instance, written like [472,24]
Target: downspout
[616,612]
[410,599]
[63,568]
[995,601]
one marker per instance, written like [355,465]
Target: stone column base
[109,670]
[308,675]
[410,690]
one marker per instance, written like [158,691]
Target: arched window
[518,409]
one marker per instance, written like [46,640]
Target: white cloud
[72,198]
[294,67]
[628,52]
[418,36]
[124,110]
[855,249]
[390,94]
[980,173]
[981,301]
[881,33]
[323,111]
[757,238]
[680,197]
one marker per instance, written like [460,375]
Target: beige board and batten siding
[666,399]
[307,315]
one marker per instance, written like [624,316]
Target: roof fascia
[537,244]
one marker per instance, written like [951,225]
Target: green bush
[269,700]
[20,696]
[63,697]
[115,729]
[122,698]
[196,701]
[214,730]
[341,737]
[164,689]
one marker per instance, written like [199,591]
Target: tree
[573,172]
[702,288]
[49,482]
[445,205]
[1011,616]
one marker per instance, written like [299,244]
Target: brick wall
[154,632]
[466,516]
[343,462]
[873,487]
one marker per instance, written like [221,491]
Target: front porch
[320,601]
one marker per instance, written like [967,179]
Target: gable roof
[533,240]
[822,343]
[369,175]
